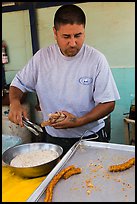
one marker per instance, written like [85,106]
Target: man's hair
[69,14]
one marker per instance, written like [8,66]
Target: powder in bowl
[34,158]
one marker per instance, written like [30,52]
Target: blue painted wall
[125,80]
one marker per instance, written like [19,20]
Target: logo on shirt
[85,80]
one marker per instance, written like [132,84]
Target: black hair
[69,14]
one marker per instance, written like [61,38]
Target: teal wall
[125,80]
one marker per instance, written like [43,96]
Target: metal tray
[96,183]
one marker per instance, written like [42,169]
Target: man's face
[70,38]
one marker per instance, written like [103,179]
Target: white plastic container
[10,141]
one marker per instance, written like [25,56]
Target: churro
[123,166]
[71,170]
[53,118]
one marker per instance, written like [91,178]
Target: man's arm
[100,111]
[16,109]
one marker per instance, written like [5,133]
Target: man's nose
[72,42]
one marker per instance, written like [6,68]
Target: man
[71,77]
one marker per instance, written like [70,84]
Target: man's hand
[16,112]
[69,121]
[16,108]
[61,119]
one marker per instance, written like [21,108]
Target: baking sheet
[96,183]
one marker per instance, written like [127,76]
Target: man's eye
[77,36]
[66,37]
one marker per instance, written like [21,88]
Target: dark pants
[67,143]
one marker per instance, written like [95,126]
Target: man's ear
[55,33]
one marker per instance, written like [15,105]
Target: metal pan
[93,158]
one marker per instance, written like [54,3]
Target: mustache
[72,47]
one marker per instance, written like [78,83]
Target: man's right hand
[17,111]
[16,108]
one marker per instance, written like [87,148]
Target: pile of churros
[53,118]
[64,173]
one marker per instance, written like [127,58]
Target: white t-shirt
[74,84]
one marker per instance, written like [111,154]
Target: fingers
[56,117]
[70,121]
[53,119]
[15,118]
[60,120]
[15,115]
